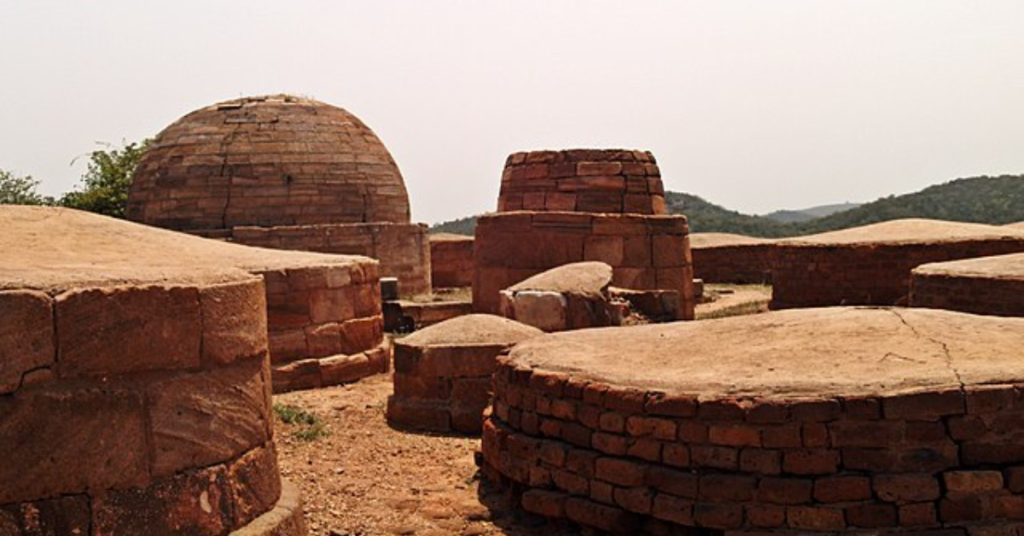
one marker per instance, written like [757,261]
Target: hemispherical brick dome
[267,161]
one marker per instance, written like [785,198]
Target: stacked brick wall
[583,180]
[325,325]
[630,461]
[645,252]
[451,261]
[745,264]
[266,161]
[402,249]
[139,410]
[864,274]
[968,293]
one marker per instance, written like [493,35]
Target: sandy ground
[366,478]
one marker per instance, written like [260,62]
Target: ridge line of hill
[992,200]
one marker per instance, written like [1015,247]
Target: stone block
[53,517]
[255,484]
[111,331]
[330,305]
[197,503]
[323,340]
[206,418]
[540,309]
[361,334]
[26,336]
[345,368]
[63,441]
[234,320]
[288,345]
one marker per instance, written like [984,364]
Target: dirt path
[365,478]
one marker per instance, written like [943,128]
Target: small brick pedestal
[819,421]
[985,286]
[443,372]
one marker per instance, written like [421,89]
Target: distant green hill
[993,200]
[792,216]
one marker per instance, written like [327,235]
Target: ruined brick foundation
[645,252]
[624,458]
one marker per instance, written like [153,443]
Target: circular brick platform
[818,421]
[323,312]
[987,285]
[443,372]
[134,389]
[582,180]
[731,258]
[871,265]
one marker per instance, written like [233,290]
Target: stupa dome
[267,161]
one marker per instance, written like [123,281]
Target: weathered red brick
[784,490]
[815,518]
[902,488]
[839,489]
[620,472]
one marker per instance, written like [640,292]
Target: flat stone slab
[795,354]
[908,231]
[56,249]
[711,240]
[995,267]
[471,330]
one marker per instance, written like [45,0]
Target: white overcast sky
[756,105]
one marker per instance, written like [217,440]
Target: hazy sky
[756,105]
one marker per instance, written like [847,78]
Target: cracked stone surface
[794,354]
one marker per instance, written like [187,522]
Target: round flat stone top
[711,240]
[793,354]
[908,231]
[996,267]
[267,161]
[54,249]
[471,330]
[449,237]
[578,278]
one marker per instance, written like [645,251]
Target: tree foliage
[107,179]
[18,190]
